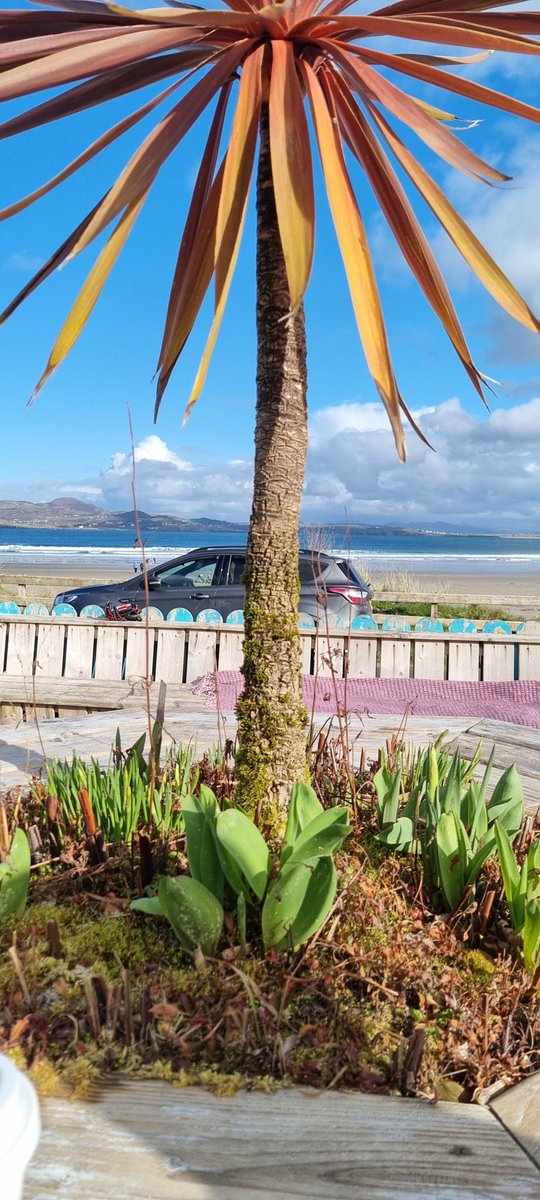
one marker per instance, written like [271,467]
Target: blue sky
[75,439]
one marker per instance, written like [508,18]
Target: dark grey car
[211,577]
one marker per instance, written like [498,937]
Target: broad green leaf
[477,861]
[486,776]
[452,868]
[388,788]
[200,815]
[303,808]
[398,836]
[323,836]
[194,913]
[148,904]
[246,845]
[506,803]
[297,903]
[15,878]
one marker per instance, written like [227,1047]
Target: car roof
[242,550]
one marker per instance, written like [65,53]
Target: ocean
[429,553]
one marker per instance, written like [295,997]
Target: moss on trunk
[272,719]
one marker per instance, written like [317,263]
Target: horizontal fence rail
[177,653]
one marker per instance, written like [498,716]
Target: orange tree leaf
[374,86]
[292,171]
[51,265]
[196,18]
[437,6]
[144,165]
[91,290]
[27,49]
[355,252]
[68,65]
[106,86]
[195,262]
[105,140]
[191,287]
[425,28]
[494,280]
[233,201]
[402,221]
[419,69]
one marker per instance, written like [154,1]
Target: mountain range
[70,513]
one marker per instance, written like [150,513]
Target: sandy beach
[43,583]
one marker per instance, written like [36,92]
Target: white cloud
[505,220]
[484,472]
[23,260]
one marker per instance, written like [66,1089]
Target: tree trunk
[272,719]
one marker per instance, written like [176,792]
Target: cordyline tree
[271,64]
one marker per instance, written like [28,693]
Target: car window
[351,573]
[233,573]
[311,569]
[197,572]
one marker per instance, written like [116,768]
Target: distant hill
[70,513]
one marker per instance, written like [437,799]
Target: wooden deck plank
[144,1140]
[502,731]
[519,1110]
[188,720]
[506,753]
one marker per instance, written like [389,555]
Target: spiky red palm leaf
[281,53]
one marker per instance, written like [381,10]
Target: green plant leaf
[148,904]
[478,816]
[194,913]
[200,815]
[304,807]
[242,840]
[323,836]
[507,861]
[477,861]
[399,836]
[531,934]
[450,858]
[433,773]
[506,803]
[297,903]
[15,878]
[388,789]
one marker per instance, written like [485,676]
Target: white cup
[20,1127]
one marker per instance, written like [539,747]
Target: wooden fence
[37,654]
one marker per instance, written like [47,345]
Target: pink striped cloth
[517,702]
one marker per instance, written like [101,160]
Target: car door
[188,584]
[229,593]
